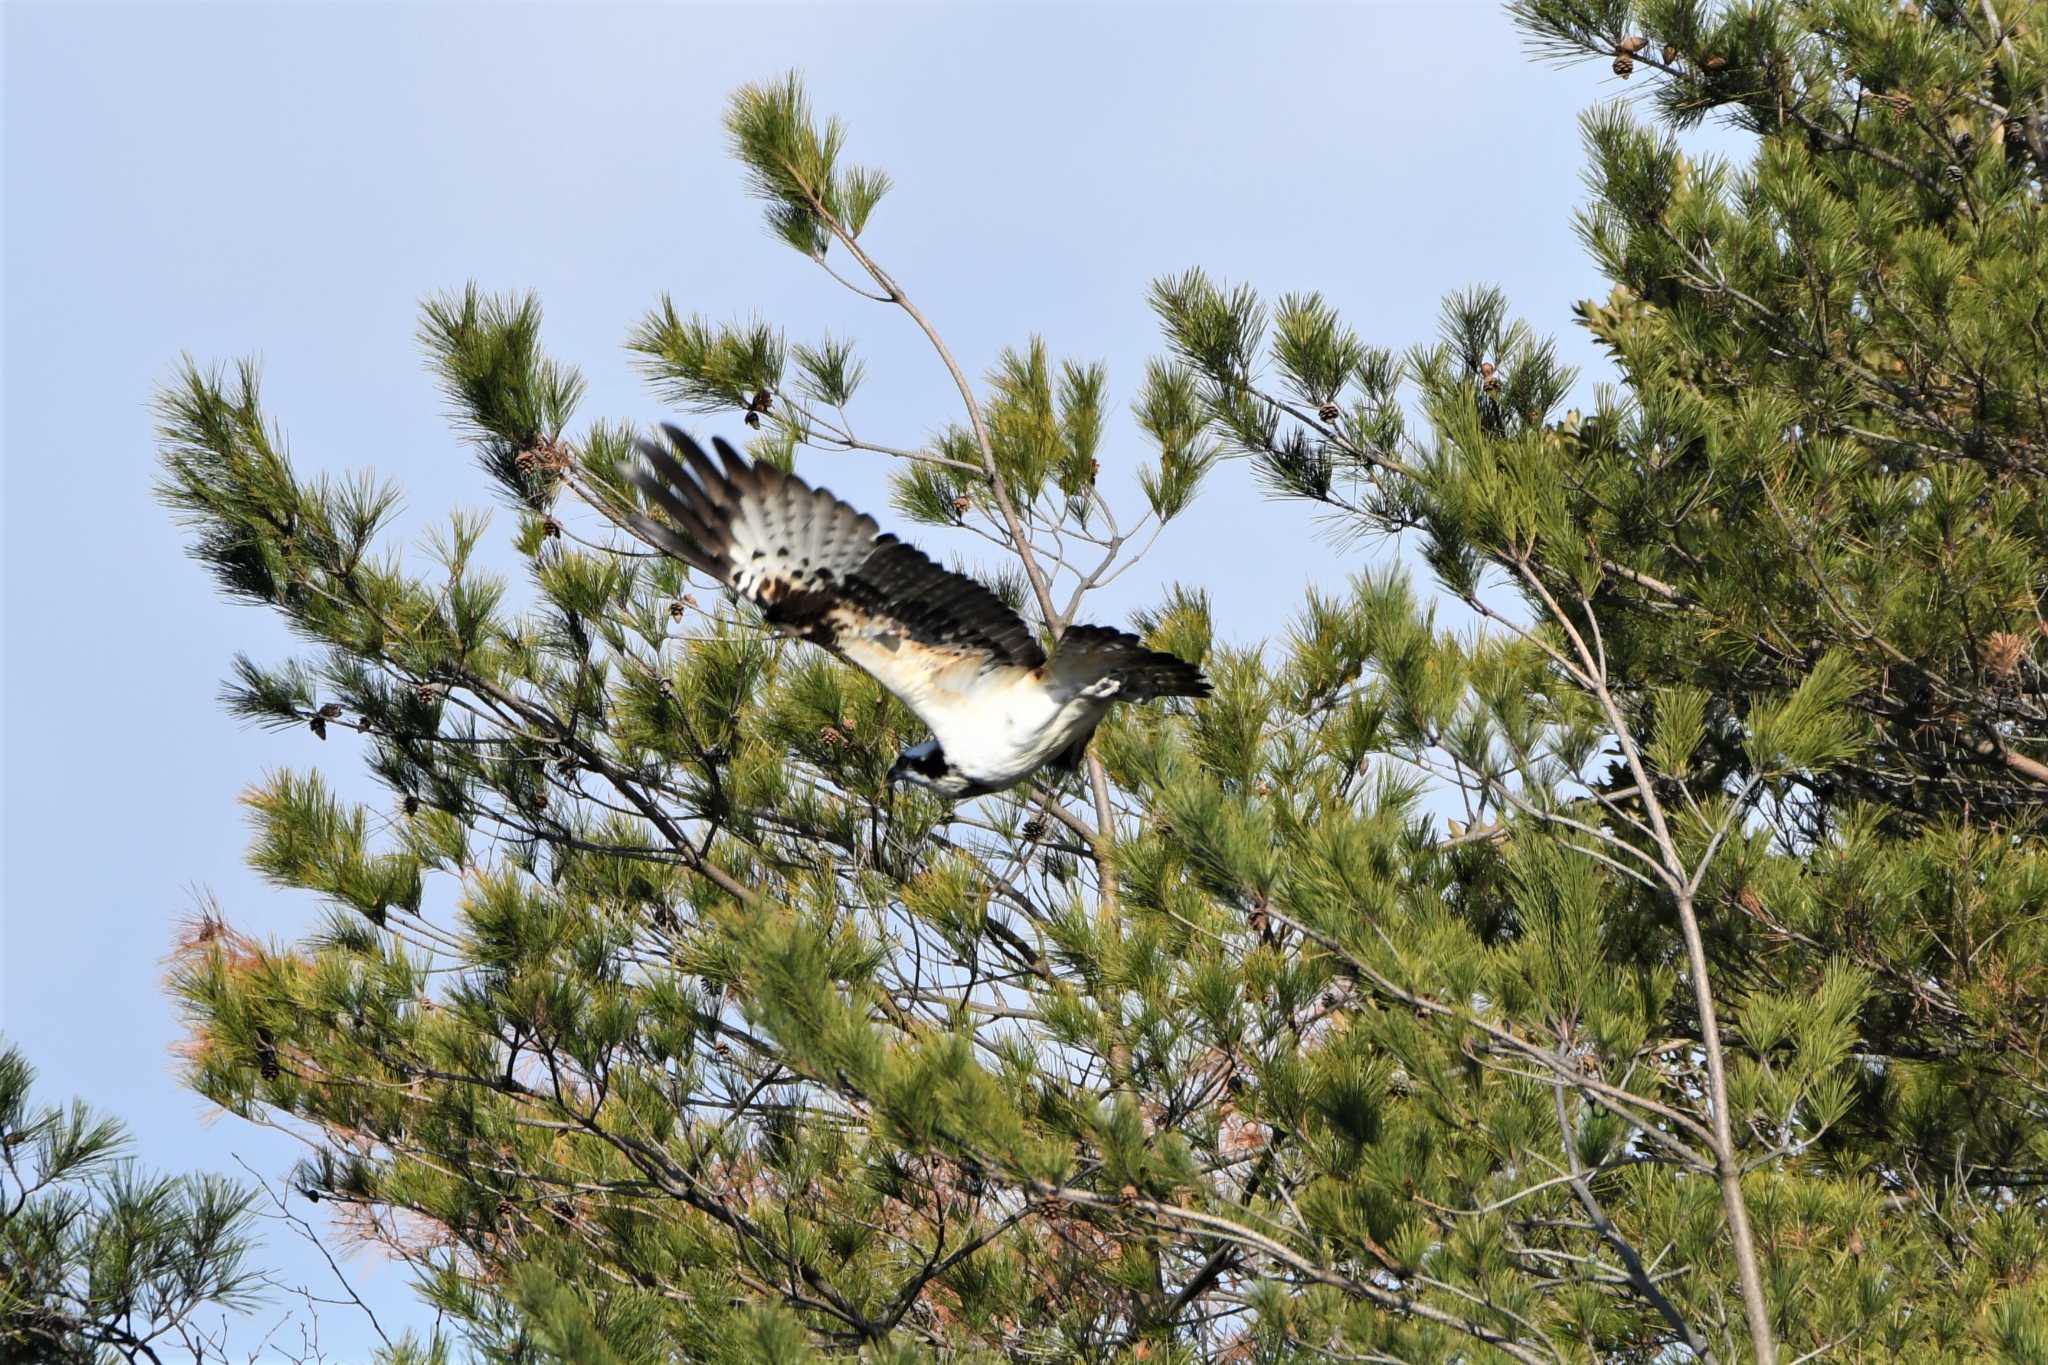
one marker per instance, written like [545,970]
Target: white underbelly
[1007,740]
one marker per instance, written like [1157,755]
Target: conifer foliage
[1620,943]
[100,1261]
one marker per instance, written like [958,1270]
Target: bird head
[925,765]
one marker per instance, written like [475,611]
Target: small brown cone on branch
[761,402]
[1624,65]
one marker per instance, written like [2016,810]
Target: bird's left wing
[823,571]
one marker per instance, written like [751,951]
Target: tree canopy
[1619,941]
[99,1260]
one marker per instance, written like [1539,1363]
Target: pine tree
[648,1024]
[99,1261]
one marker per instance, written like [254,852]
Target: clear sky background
[287,181]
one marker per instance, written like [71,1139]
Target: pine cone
[675,610]
[411,804]
[961,504]
[544,456]
[1034,828]
[1670,54]
[1624,65]
[1329,412]
[550,528]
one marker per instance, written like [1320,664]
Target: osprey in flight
[949,649]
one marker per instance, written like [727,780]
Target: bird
[998,708]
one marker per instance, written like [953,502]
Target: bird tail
[1088,654]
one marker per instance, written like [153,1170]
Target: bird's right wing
[820,570]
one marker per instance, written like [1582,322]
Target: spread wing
[822,571]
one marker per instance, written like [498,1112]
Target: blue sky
[287,181]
